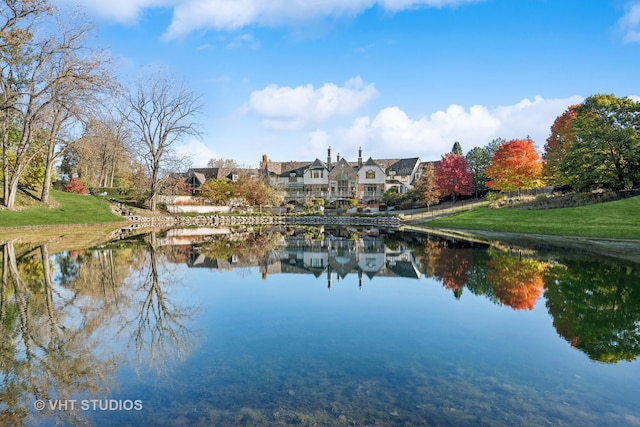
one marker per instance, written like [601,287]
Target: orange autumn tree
[516,165]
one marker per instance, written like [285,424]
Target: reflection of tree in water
[596,308]
[502,277]
[56,332]
[158,328]
[47,352]
[449,265]
[517,281]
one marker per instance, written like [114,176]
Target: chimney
[360,157]
[329,158]
[338,158]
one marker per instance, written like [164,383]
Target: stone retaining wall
[219,220]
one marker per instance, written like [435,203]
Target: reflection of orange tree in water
[45,351]
[517,282]
[596,307]
[503,278]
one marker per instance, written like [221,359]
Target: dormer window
[234,177]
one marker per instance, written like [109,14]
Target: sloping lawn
[618,219]
[72,209]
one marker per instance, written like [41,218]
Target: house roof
[205,174]
[208,173]
[404,166]
[299,171]
[318,164]
[344,162]
[399,166]
[371,162]
[200,177]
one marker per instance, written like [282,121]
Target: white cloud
[290,108]
[393,133]
[197,152]
[629,24]
[191,15]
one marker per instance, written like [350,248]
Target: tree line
[592,145]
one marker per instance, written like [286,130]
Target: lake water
[309,326]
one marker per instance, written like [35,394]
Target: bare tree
[79,77]
[102,151]
[161,114]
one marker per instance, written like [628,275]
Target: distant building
[298,181]
[334,181]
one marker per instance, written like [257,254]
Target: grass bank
[618,219]
[68,209]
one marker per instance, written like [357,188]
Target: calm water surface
[316,327]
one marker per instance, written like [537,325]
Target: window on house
[317,174]
[370,174]
[292,177]
[343,183]
[234,177]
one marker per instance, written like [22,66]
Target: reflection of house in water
[332,256]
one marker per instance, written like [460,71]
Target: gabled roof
[318,164]
[208,173]
[199,177]
[371,162]
[342,161]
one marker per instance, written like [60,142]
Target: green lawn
[619,219]
[72,209]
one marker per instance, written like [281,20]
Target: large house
[335,181]
[340,180]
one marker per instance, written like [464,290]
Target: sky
[399,78]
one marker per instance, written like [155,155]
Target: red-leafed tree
[516,165]
[75,186]
[557,146]
[453,176]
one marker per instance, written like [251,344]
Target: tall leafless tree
[79,78]
[161,114]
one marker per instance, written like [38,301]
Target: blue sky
[399,78]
